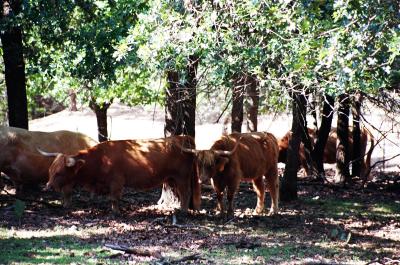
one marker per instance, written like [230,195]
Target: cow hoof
[230,215]
[272,213]
[258,211]
[116,213]
[183,213]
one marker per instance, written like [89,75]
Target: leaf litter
[326,224]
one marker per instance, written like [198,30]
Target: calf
[237,157]
[142,164]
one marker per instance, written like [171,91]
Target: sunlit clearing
[57,231]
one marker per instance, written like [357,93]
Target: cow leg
[67,200]
[363,170]
[273,186]
[232,188]
[259,188]
[67,195]
[1,182]
[115,196]
[184,195]
[15,176]
[230,196]
[219,190]
[115,206]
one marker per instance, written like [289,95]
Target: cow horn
[187,150]
[47,153]
[70,162]
[228,153]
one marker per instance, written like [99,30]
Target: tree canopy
[108,50]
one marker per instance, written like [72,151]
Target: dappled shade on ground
[327,224]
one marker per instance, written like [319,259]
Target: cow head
[63,171]
[211,162]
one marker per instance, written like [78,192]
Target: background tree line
[318,57]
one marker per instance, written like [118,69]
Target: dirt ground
[326,225]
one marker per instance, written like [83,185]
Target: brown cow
[142,164]
[330,149]
[19,158]
[237,157]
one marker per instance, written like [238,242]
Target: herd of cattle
[64,160]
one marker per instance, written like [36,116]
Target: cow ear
[79,163]
[222,161]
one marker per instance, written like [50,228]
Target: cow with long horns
[140,164]
[237,157]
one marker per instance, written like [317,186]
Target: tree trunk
[356,155]
[173,126]
[237,103]
[173,106]
[180,111]
[342,144]
[323,133]
[313,111]
[253,93]
[189,95]
[305,137]
[288,191]
[14,65]
[101,116]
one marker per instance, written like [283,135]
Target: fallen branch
[230,220]
[375,261]
[135,251]
[186,258]
[376,163]
[391,261]
[163,261]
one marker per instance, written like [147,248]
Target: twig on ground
[373,262]
[113,256]
[135,251]
[195,256]
[391,261]
[230,220]
[157,220]
[163,261]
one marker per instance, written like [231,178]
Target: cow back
[255,153]
[142,164]
[20,158]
